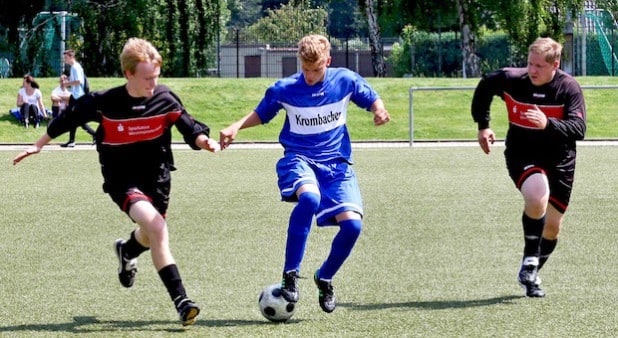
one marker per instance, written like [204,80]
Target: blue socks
[298,229]
[344,241]
[298,232]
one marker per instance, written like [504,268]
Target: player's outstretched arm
[35,149]
[227,135]
[380,114]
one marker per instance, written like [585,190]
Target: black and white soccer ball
[273,306]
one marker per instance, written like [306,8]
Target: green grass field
[437,115]
[438,256]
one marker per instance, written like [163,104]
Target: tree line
[187,32]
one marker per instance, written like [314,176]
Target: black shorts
[127,189]
[560,174]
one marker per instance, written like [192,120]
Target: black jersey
[561,100]
[134,134]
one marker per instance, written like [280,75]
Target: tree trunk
[470,61]
[184,37]
[171,33]
[200,39]
[377,51]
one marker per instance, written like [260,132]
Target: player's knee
[351,227]
[309,201]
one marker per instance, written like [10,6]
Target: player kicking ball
[134,145]
[316,169]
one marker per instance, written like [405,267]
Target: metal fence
[245,58]
[417,89]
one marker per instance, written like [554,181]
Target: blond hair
[547,47]
[313,49]
[138,50]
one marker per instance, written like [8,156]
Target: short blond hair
[313,49]
[547,47]
[138,50]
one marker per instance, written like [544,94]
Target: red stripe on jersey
[137,129]
[517,109]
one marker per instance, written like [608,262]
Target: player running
[134,145]
[547,115]
[316,169]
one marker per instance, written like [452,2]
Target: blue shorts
[335,178]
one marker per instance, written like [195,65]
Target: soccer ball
[273,306]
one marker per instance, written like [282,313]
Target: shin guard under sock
[344,241]
[547,247]
[132,248]
[173,283]
[533,229]
[298,229]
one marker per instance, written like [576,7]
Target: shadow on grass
[14,121]
[90,324]
[10,118]
[433,305]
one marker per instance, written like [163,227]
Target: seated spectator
[60,97]
[30,102]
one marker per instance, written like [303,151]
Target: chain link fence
[245,57]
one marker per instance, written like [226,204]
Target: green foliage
[289,24]
[426,54]
[185,35]
[524,21]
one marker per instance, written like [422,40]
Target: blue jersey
[315,123]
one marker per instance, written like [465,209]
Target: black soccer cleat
[326,294]
[529,281]
[127,268]
[187,310]
[289,287]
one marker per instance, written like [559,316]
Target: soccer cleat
[528,278]
[326,294]
[289,289]
[69,144]
[127,268]
[187,310]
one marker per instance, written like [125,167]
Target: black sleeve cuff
[483,125]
